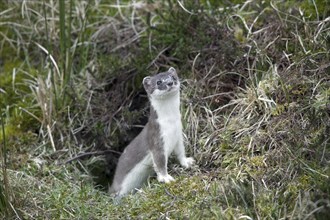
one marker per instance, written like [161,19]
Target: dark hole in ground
[103,171]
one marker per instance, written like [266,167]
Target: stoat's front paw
[165,178]
[187,162]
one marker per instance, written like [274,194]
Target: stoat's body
[161,136]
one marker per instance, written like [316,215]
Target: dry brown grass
[255,107]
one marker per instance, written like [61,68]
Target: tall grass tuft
[63,41]
[4,186]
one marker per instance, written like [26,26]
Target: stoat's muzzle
[168,83]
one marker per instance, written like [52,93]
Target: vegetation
[255,106]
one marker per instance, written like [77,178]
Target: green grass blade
[4,187]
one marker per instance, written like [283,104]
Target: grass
[255,107]
[4,188]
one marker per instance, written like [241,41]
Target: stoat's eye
[173,78]
[159,82]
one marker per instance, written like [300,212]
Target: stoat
[161,136]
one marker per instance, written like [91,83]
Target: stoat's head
[162,85]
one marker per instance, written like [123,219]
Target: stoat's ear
[146,82]
[172,70]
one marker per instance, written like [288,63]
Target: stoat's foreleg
[179,151]
[160,165]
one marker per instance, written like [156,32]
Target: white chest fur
[169,119]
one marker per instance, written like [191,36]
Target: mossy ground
[255,107]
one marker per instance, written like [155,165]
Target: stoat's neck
[167,108]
